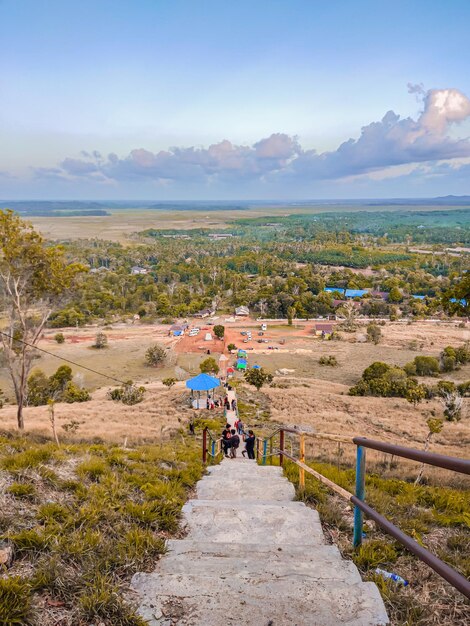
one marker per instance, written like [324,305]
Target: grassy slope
[82,519]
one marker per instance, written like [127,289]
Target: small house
[137,270]
[204,313]
[178,329]
[324,329]
[242,311]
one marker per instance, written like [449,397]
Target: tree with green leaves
[290,314]
[34,278]
[209,366]
[219,331]
[258,377]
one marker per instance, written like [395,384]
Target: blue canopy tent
[241,364]
[256,367]
[202,382]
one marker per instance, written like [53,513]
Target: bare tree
[34,277]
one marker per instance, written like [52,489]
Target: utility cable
[61,358]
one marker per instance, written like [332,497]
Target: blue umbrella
[256,367]
[202,382]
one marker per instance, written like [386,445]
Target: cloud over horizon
[392,141]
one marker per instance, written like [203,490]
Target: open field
[121,223]
[313,395]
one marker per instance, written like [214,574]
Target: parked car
[264,327]
[243,332]
[260,334]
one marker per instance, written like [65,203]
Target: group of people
[230,405]
[212,403]
[231,441]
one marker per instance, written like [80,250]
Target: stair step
[286,601]
[321,562]
[238,487]
[223,521]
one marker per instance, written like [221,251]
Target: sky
[211,99]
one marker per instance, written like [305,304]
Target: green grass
[15,601]
[84,535]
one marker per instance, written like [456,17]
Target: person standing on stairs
[234,443]
[226,436]
[250,444]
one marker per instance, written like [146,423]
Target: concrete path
[254,557]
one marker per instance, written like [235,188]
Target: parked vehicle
[264,327]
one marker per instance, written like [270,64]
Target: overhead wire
[61,358]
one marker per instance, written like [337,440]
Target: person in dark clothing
[234,443]
[226,436]
[250,444]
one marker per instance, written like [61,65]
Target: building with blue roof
[355,293]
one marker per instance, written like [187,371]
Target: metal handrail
[430,458]
[216,447]
[457,580]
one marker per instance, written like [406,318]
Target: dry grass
[327,408]
[161,413]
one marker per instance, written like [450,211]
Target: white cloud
[392,142]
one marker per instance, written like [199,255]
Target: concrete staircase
[253,556]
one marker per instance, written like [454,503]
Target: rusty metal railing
[457,580]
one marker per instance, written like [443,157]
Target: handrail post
[204,445]
[360,493]
[302,459]
[213,449]
[281,447]
[257,448]
[270,451]
[265,450]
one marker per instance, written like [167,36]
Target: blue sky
[214,99]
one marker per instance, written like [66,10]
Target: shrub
[423,366]
[73,393]
[57,387]
[258,377]
[156,355]
[376,370]
[101,341]
[169,382]
[374,334]
[59,337]
[209,366]
[388,381]
[464,389]
[328,360]
[231,346]
[127,394]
